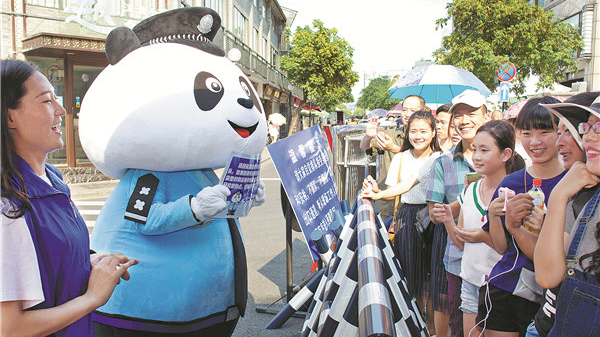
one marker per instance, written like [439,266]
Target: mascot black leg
[222,329]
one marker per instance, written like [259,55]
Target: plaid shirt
[446,183]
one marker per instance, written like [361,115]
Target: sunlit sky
[388,36]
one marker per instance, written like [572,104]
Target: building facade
[65,39]
[585,16]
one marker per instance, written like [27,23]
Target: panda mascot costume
[168,110]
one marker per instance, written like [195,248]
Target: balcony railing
[255,63]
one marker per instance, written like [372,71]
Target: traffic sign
[506,72]
[504,88]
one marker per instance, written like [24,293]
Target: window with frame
[45,3]
[273,56]
[264,49]
[239,24]
[103,11]
[216,5]
[255,40]
[575,21]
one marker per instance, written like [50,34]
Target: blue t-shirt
[508,280]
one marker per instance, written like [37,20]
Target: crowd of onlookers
[495,222]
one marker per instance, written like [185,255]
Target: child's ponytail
[504,134]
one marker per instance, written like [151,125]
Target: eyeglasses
[584,128]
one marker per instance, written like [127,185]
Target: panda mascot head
[169,100]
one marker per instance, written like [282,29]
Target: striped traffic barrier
[374,303]
[312,320]
[349,324]
[398,277]
[340,300]
[304,295]
[364,292]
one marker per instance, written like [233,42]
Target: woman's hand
[97,257]
[105,276]
[470,235]
[497,207]
[577,177]
[517,209]
[370,184]
[534,221]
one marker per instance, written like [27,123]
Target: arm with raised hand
[42,322]
[549,254]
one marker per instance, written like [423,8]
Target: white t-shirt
[20,277]
[478,258]
[411,167]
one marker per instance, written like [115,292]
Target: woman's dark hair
[14,75]
[533,116]
[428,117]
[504,135]
[444,108]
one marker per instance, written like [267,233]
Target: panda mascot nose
[246,102]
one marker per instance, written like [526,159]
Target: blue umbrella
[436,83]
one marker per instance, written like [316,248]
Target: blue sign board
[302,162]
[504,89]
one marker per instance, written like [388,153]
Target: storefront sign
[302,162]
[96,15]
[268,93]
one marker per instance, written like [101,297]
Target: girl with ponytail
[493,158]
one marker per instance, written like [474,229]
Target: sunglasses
[584,128]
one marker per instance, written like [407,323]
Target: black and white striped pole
[374,304]
[304,295]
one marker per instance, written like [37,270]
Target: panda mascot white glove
[259,197]
[209,201]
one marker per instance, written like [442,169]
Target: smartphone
[472,177]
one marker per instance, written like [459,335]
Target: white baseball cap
[469,97]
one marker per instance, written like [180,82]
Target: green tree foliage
[487,34]
[375,95]
[320,62]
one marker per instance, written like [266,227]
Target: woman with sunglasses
[568,247]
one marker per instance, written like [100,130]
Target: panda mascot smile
[168,110]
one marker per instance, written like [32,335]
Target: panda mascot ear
[120,42]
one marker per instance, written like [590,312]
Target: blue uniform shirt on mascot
[168,110]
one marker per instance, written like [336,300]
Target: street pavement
[264,236]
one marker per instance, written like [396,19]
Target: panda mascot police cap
[168,110]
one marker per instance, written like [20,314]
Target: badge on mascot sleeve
[141,199]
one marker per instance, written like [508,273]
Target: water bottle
[538,200]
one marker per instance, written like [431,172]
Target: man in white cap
[446,182]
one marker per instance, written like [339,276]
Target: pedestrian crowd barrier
[361,291]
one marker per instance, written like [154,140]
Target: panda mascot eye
[245,88]
[208,91]
[213,84]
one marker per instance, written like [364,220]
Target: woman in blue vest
[49,281]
